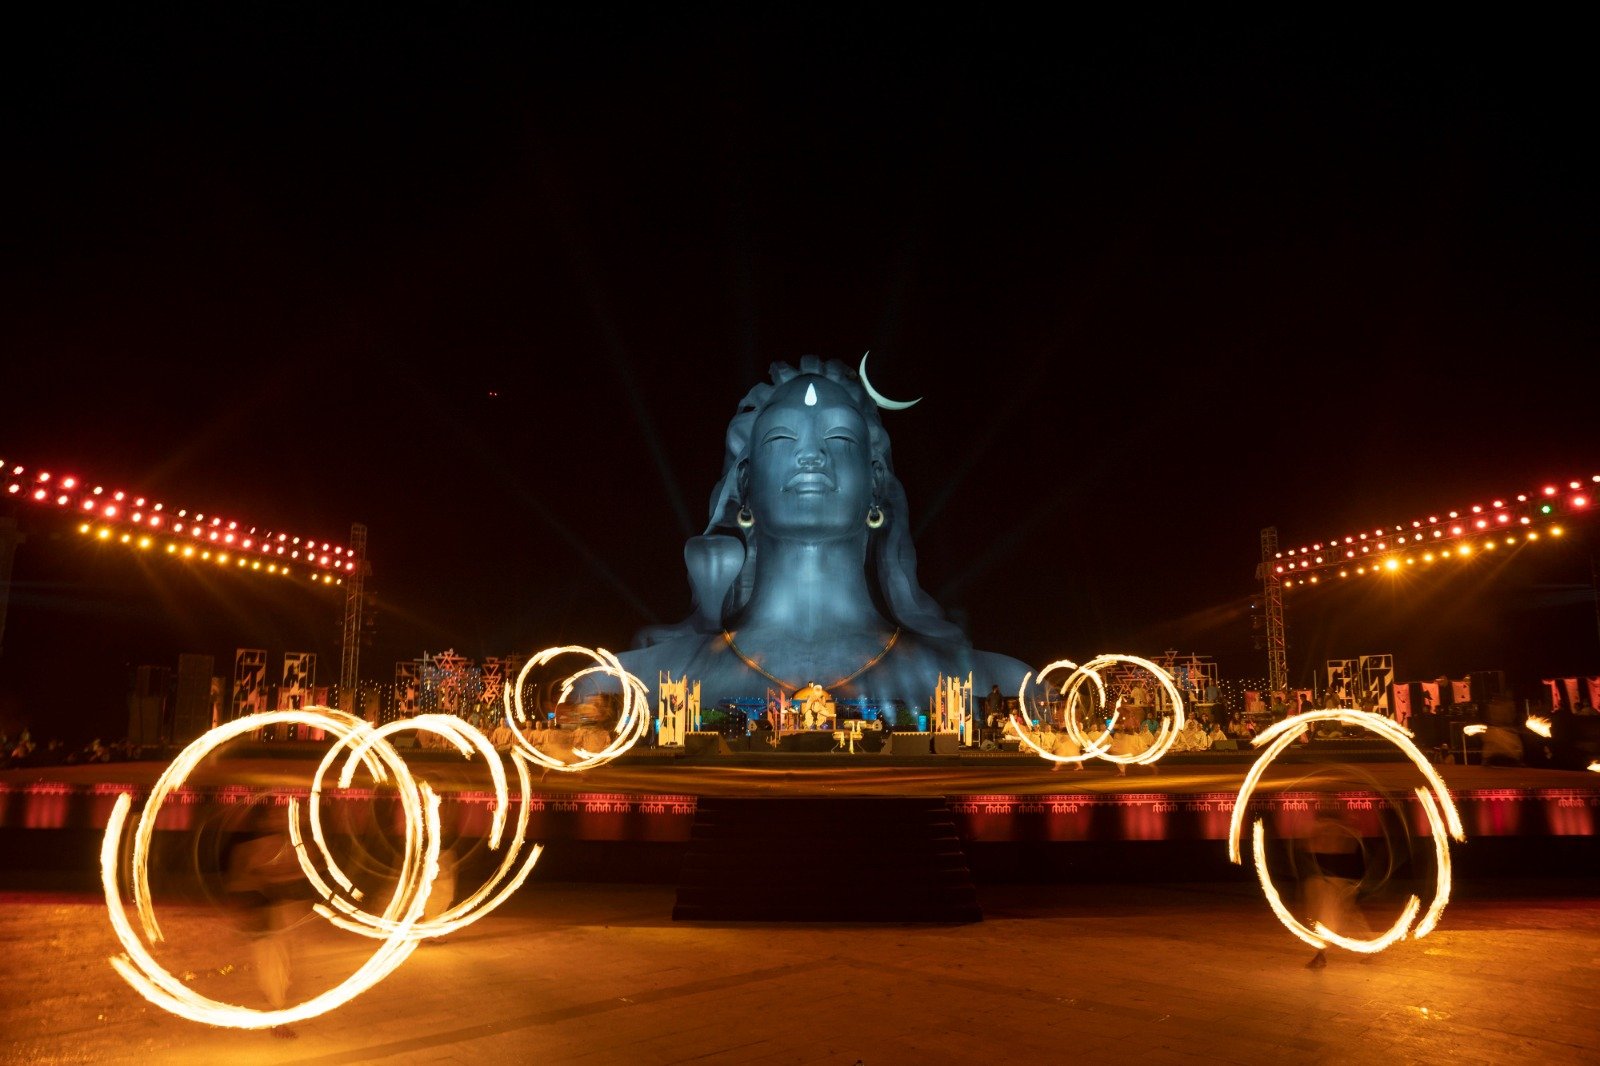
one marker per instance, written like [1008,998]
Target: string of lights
[122,517]
[1458,534]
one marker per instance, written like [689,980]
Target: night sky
[493,285]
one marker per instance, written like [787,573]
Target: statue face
[810,472]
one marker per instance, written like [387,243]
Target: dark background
[492,285]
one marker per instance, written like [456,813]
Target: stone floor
[599,973]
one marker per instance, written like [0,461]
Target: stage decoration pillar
[407,682]
[968,723]
[952,710]
[694,706]
[299,674]
[249,681]
[449,675]
[672,699]
[493,680]
[1341,681]
[1377,682]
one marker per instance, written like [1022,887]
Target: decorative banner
[1573,691]
[448,674]
[672,700]
[249,682]
[1341,678]
[1570,687]
[952,707]
[299,674]
[1552,693]
[407,682]
[494,679]
[1377,682]
[1430,696]
[1402,704]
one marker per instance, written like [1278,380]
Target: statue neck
[812,589]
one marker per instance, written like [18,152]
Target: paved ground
[599,973]
[581,973]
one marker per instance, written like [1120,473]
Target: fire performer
[1334,867]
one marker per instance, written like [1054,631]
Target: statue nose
[811,459]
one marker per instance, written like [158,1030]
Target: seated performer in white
[1127,740]
[1064,746]
[816,707]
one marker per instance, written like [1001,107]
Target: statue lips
[810,481]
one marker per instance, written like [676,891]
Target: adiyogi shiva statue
[806,574]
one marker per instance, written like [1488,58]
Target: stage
[629,820]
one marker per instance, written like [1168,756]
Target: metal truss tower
[1272,592]
[354,597]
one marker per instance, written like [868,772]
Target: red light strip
[1522,514]
[117,508]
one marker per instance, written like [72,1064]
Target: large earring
[745,519]
[874,517]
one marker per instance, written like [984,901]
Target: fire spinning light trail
[1090,672]
[419,867]
[401,926]
[632,719]
[1443,819]
[465,738]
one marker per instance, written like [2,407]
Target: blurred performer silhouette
[265,883]
[1333,864]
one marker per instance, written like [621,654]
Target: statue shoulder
[677,657]
[987,668]
[647,664]
[996,668]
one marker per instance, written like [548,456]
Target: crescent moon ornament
[879,398]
